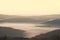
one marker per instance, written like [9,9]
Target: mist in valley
[30,26]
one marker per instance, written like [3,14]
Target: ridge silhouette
[11,33]
[53,35]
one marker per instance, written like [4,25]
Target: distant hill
[55,22]
[29,19]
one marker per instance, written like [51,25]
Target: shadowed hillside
[11,34]
[53,35]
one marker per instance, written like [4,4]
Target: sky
[29,7]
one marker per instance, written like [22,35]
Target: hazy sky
[29,7]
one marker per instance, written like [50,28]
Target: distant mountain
[55,22]
[47,18]
[19,19]
[29,19]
